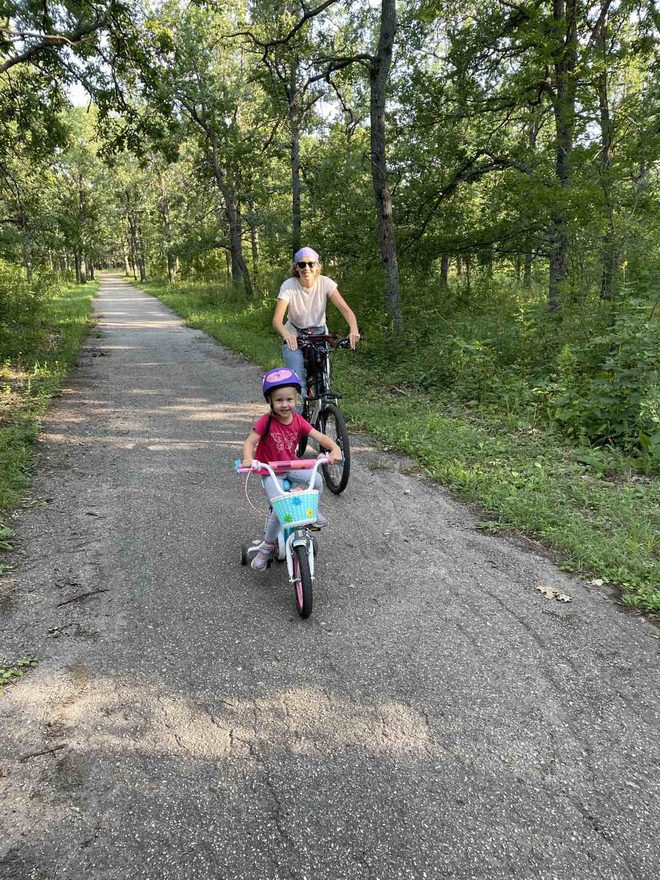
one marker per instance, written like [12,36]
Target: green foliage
[609,391]
[10,672]
[48,323]
[22,308]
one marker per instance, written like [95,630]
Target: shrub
[22,310]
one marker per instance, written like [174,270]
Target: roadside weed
[10,672]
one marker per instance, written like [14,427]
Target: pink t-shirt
[282,440]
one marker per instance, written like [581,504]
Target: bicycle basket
[297,508]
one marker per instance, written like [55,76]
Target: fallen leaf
[548,592]
[562,597]
[597,582]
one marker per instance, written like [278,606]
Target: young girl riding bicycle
[275,437]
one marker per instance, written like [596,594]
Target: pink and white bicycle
[297,512]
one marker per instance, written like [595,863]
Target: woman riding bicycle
[305,295]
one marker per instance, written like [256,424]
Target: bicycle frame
[321,407]
[290,537]
[316,351]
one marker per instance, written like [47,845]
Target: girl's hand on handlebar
[334,455]
[247,463]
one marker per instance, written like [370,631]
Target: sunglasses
[302,264]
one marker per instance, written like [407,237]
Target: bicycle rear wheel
[303,581]
[331,422]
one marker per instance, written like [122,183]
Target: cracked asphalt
[436,717]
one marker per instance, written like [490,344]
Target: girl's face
[307,271]
[283,403]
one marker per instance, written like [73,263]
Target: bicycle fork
[299,538]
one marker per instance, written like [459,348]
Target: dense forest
[480,177]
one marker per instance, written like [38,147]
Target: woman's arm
[278,323]
[250,447]
[334,452]
[349,317]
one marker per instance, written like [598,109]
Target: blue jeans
[295,361]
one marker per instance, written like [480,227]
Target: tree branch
[49,41]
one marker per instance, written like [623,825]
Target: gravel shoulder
[436,717]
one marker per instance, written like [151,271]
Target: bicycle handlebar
[280,467]
[262,467]
[331,338]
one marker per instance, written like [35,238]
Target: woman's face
[308,269]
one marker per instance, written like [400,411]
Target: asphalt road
[436,717]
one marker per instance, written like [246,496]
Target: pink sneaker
[263,556]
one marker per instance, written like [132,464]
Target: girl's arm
[250,447]
[278,323]
[334,452]
[348,315]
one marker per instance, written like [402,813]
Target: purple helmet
[280,377]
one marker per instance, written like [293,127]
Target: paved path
[435,718]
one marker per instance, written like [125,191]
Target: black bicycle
[320,404]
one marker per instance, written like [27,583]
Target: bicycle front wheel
[331,422]
[303,581]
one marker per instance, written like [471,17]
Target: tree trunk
[254,240]
[565,62]
[142,262]
[294,125]
[533,131]
[27,252]
[133,246]
[609,256]
[527,274]
[379,72]
[444,271]
[164,209]
[232,213]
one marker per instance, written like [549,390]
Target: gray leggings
[298,478]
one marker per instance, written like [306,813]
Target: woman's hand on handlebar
[292,341]
[354,338]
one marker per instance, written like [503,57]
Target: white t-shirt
[306,307]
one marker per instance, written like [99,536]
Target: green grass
[32,367]
[591,505]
